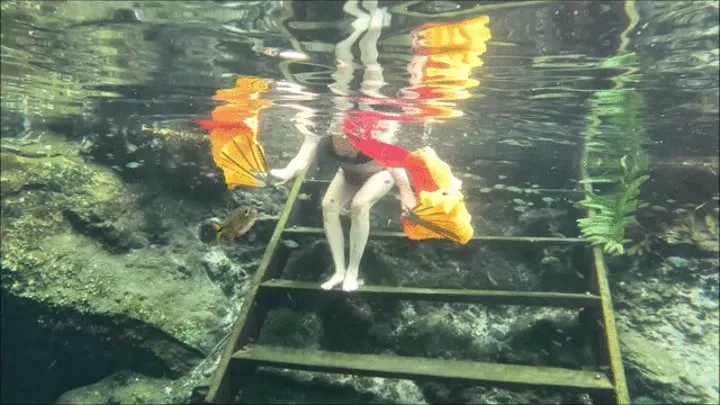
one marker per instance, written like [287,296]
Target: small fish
[275,52]
[542,214]
[304,196]
[239,221]
[711,225]
[439,6]
[286,54]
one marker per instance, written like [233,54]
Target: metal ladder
[242,355]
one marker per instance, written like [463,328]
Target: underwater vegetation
[615,164]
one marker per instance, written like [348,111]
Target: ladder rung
[306,230]
[543,299]
[390,366]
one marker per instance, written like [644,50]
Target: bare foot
[350,283]
[336,279]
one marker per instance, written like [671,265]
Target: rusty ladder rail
[241,355]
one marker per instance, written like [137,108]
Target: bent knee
[330,206]
[360,207]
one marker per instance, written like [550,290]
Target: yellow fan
[438,169]
[467,35]
[239,111]
[245,88]
[243,162]
[440,214]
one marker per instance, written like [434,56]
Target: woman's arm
[305,155]
[407,197]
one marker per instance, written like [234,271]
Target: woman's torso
[357,166]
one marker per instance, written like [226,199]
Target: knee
[330,206]
[359,208]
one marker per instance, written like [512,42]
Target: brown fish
[238,222]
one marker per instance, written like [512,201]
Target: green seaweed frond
[615,163]
[614,212]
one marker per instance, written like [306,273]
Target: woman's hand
[299,162]
[284,175]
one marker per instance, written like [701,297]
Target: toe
[350,285]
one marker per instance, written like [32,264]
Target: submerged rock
[669,331]
[652,369]
[121,388]
[91,266]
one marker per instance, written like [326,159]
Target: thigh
[374,188]
[339,192]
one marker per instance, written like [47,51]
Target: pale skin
[340,192]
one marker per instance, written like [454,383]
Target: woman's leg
[344,59]
[338,194]
[374,188]
[373,75]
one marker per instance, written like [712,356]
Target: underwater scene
[360,201]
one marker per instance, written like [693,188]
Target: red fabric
[358,128]
[425,93]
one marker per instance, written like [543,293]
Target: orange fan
[467,35]
[233,133]
[243,162]
[441,69]
[239,110]
[440,214]
[221,136]
[245,88]
[429,172]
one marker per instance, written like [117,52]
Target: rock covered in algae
[91,265]
[668,328]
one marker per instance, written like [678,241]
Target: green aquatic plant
[615,211]
[615,165]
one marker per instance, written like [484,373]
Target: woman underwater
[362,180]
